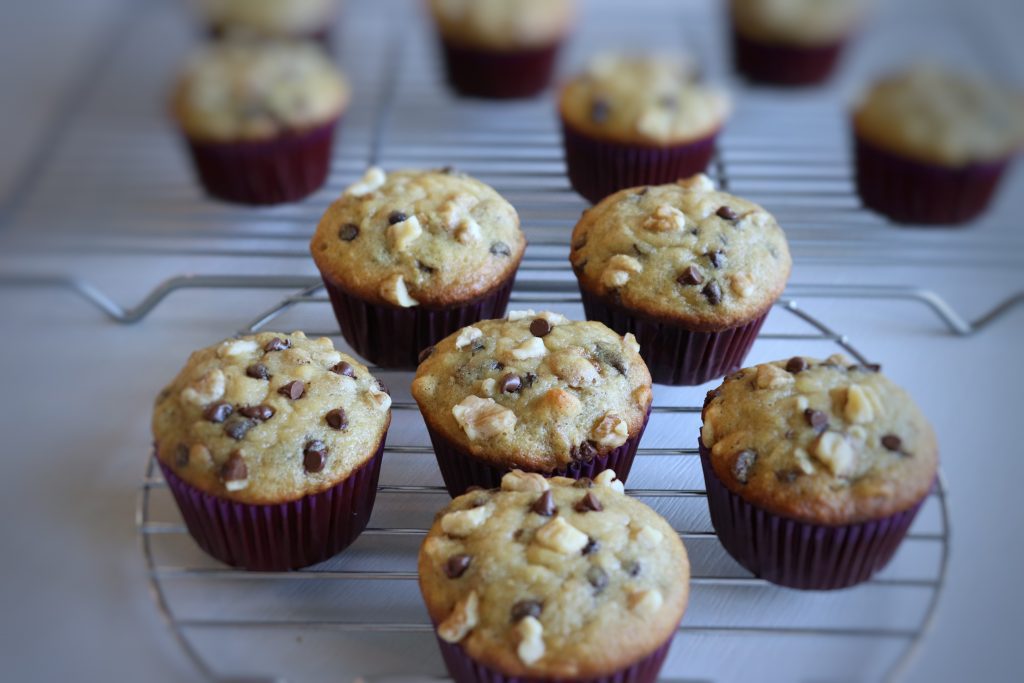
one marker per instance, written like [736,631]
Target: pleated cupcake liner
[786,65]
[674,354]
[282,536]
[598,168]
[797,554]
[464,669]
[285,168]
[460,469]
[476,72]
[393,337]
[911,192]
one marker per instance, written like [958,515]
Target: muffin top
[823,442]
[535,390]
[941,117]
[682,252]
[642,100]
[237,90]
[410,238]
[504,24]
[554,578]
[801,22]
[268,18]
[270,418]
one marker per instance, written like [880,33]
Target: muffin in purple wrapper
[630,121]
[577,563]
[409,257]
[271,445]
[931,147]
[501,49]
[268,19]
[535,392]
[815,470]
[691,272]
[259,119]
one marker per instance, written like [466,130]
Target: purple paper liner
[910,192]
[460,469]
[285,168]
[674,354]
[791,65]
[797,554]
[393,337]
[463,669]
[283,536]
[477,72]
[598,168]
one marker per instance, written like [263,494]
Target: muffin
[411,256]
[259,119]
[271,445]
[501,48]
[268,19]
[545,580]
[535,392]
[814,470]
[931,146]
[690,271]
[631,121]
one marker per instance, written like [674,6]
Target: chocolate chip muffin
[259,118]
[828,455]
[932,145]
[553,579]
[535,392]
[630,120]
[271,432]
[411,256]
[501,48]
[273,19]
[690,271]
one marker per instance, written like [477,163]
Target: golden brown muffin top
[683,252]
[270,418]
[535,391]
[550,578]
[799,22]
[824,442]
[268,18]
[504,24]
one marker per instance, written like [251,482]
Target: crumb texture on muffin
[503,25]
[941,117]
[410,238]
[799,22]
[683,252]
[267,18]
[270,418]
[535,391]
[642,100]
[826,442]
[554,577]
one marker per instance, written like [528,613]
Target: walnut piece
[666,218]
[208,388]
[531,640]
[646,602]
[462,620]
[530,348]
[832,449]
[517,480]
[631,343]
[467,335]
[619,269]
[572,367]
[461,523]
[655,123]
[394,291]
[468,231]
[482,418]
[859,408]
[379,397]
[742,284]
[514,316]
[609,479]
[772,377]
[648,536]
[698,184]
[372,180]
[237,347]
[561,537]
[559,402]
[611,431]
[401,235]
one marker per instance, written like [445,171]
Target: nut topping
[561,537]
[393,290]
[483,418]
[461,621]
[467,335]
[402,234]
[517,480]
[371,181]
[461,523]
[611,431]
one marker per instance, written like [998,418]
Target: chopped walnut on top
[394,291]
[483,418]
[610,431]
[467,335]
[619,269]
[402,234]
[666,218]
[463,619]
[372,180]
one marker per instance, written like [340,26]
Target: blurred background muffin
[268,19]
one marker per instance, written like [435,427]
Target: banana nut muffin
[437,244]
[268,18]
[554,578]
[673,262]
[535,392]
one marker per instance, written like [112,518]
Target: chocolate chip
[218,412]
[597,577]
[591,547]
[500,249]
[892,442]
[713,293]
[337,419]
[497,365]
[260,413]
[716,258]
[600,110]
[817,419]
[511,384]
[726,213]
[690,276]
[294,390]
[796,365]
[237,428]
[397,217]
[584,451]
[345,369]
[540,328]
[426,353]
[545,505]
[584,483]
[277,344]
[588,503]
[258,371]
[456,566]
[447,170]
[314,456]
[526,608]
[528,379]
[744,463]
[632,567]
[348,232]
[234,469]
[181,456]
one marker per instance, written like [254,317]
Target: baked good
[501,48]
[535,392]
[259,118]
[268,19]
[409,257]
[814,469]
[690,271]
[634,120]
[931,145]
[270,432]
[545,579]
